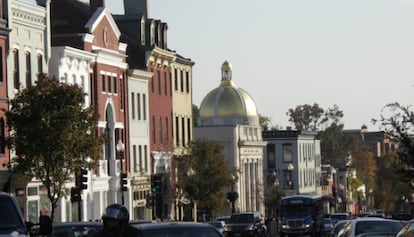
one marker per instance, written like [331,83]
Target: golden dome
[228,104]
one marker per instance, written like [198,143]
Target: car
[406,230]
[178,229]
[335,217]
[327,226]
[370,226]
[244,224]
[72,229]
[11,219]
[226,219]
[337,227]
[219,225]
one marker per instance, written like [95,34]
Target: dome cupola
[228,104]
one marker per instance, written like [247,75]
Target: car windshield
[376,227]
[243,218]
[9,215]
[181,232]
[76,231]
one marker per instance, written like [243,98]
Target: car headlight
[307,225]
[250,227]
[227,228]
[285,227]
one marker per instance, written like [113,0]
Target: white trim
[96,18]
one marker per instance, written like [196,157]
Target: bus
[301,215]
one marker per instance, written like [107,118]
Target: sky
[356,54]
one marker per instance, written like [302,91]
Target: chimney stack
[136,7]
[95,4]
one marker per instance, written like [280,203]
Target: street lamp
[232,196]
[120,147]
[192,190]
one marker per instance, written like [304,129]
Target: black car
[245,224]
[11,218]
[177,229]
[72,229]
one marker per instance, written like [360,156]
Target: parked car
[327,226]
[219,225]
[226,219]
[246,224]
[178,229]
[337,228]
[335,217]
[407,230]
[11,218]
[72,229]
[370,226]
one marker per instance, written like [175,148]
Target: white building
[228,115]
[295,158]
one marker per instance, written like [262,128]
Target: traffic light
[75,195]
[156,183]
[82,179]
[124,182]
[150,201]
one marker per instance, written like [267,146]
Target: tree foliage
[390,189]
[212,174]
[313,117]
[52,134]
[398,121]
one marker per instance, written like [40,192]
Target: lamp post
[192,190]
[120,147]
[233,195]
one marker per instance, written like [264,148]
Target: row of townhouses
[141,88]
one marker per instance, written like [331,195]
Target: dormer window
[143,31]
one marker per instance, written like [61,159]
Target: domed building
[228,115]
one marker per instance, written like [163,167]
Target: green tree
[391,189]
[52,134]
[211,174]
[313,117]
[196,114]
[398,121]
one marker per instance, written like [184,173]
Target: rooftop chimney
[95,4]
[136,7]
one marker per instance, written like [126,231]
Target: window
[160,131]
[134,154]
[165,83]
[103,83]
[153,130]
[144,107]
[166,127]
[159,82]
[108,78]
[181,81]
[183,131]
[271,156]
[16,78]
[177,134]
[189,129]
[187,82]
[139,158]
[175,79]
[287,152]
[139,106]
[39,63]
[133,105]
[115,81]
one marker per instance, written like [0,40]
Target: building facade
[228,115]
[295,157]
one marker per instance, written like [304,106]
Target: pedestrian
[115,223]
